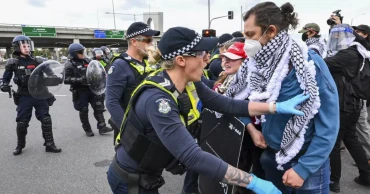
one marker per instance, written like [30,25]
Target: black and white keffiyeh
[318,44]
[259,79]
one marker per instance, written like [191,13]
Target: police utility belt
[149,153]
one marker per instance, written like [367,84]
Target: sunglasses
[80,52]
[198,54]
[145,40]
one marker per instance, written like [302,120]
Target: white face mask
[251,47]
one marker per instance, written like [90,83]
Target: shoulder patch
[163,106]
[111,70]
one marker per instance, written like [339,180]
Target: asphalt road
[82,165]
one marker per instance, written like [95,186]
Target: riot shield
[96,77]
[46,79]
[223,138]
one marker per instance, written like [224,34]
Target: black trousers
[250,162]
[347,134]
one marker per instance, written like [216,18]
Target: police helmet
[97,52]
[22,45]
[74,49]
[106,52]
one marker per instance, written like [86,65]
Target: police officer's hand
[83,80]
[288,107]
[260,186]
[51,101]
[5,88]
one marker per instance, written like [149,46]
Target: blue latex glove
[260,186]
[288,107]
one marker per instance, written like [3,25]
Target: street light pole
[209,13]
[114,15]
[209,27]
[97,15]
[241,18]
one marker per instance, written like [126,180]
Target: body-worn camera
[330,21]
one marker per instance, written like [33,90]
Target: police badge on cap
[140,28]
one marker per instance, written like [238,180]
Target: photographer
[344,62]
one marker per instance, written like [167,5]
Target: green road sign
[39,32]
[114,34]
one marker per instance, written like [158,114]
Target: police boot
[84,117]
[47,134]
[101,123]
[21,135]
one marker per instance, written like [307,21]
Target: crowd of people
[299,100]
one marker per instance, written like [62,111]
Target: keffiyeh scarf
[317,44]
[223,87]
[259,79]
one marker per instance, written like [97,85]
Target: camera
[330,21]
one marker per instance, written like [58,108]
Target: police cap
[224,39]
[179,40]
[140,28]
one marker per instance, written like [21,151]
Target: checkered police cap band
[137,33]
[225,43]
[184,49]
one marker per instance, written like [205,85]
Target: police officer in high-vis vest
[215,67]
[155,132]
[98,55]
[22,66]
[82,96]
[107,53]
[128,70]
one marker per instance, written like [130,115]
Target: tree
[63,51]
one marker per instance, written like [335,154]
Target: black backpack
[361,83]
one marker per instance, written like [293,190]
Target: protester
[276,69]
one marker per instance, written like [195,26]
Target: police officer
[22,66]
[63,59]
[98,55]
[238,36]
[107,52]
[128,70]
[215,67]
[75,73]
[154,134]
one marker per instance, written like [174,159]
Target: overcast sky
[188,13]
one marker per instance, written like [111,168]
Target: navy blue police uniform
[22,67]
[82,96]
[154,134]
[124,75]
[191,178]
